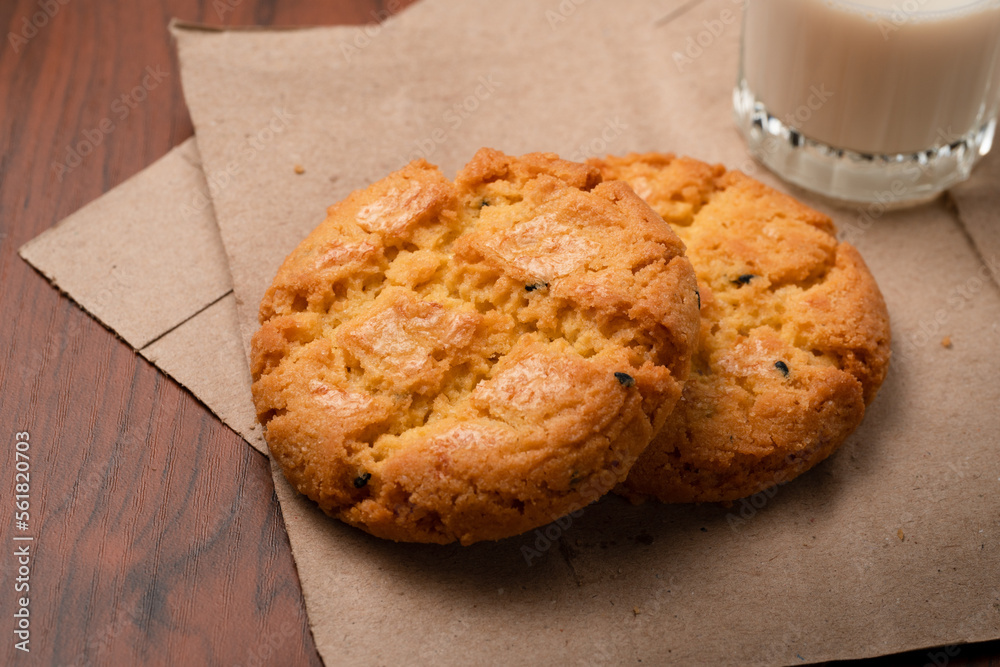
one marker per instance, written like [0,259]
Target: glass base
[848,176]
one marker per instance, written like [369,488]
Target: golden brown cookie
[467,360]
[794,336]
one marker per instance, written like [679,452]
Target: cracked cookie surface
[794,339]
[468,360]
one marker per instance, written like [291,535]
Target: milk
[875,76]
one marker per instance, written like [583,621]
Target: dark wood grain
[159,539]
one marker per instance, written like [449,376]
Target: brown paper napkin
[155,273]
[978,204]
[891,545]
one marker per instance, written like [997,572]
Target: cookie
[468,360]
[794,339]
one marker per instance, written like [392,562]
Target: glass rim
[899,7]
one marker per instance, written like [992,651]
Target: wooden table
[158,537]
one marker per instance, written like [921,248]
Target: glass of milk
[888,101]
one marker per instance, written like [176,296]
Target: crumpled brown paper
[890,545]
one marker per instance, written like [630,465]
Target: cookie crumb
[899,534]
[635,611]
[946,342]
[299,169]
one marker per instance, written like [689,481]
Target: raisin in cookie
[794,338]
[468,360]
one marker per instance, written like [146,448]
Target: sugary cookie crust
[445,361]
[794,338]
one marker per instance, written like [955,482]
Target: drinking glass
[888,101]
